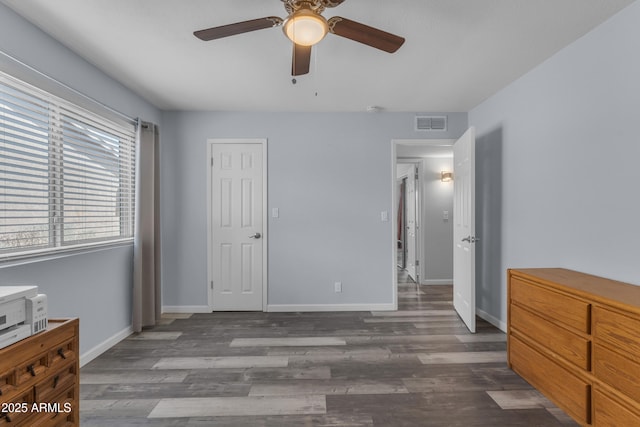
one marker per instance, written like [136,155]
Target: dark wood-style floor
[418,366]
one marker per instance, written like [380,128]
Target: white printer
[23,312]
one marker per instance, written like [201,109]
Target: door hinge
[212,161]
[212,284]
[417,262]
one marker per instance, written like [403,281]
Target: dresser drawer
[572,347]
[618,330]
[62,412]
[566,390]
[31,370]
[63,353]
[571,312]
[617,371]
[609,413]
[55,384]
[7,384]
[17,409]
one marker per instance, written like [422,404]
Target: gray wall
[437,232]
[330,176]
[558,167]
[94,286]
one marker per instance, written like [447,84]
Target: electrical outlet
[337,287]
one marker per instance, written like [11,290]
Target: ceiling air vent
[431,123]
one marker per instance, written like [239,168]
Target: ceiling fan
[305,26]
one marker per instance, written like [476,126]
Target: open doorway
[431,249]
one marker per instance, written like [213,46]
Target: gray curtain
[147,303]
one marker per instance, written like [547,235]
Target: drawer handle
[55,381]
[31,369]
[61,353]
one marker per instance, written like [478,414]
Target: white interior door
[236,226]
[411,226]
[464,283]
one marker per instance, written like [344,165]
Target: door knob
[255,236]
[467,239]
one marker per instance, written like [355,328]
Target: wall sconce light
[446,176]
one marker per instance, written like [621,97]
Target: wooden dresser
[576,338]
[39,382]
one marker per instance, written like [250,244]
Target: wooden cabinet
[39,383]
[576,338]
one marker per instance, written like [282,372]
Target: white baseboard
[96,351]
[287,308]
[292,308]
[436,282]
[493,320]
[186,309]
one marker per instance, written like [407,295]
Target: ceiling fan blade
[365,34]
[238,28]
[301,60]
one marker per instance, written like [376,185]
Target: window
[67,175]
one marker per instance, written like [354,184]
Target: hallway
[418,366]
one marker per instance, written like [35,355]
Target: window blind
[67,175]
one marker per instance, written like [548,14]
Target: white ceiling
[457,53]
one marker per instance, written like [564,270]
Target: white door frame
[265,234]
[394,213]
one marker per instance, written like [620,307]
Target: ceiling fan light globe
[305,27]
